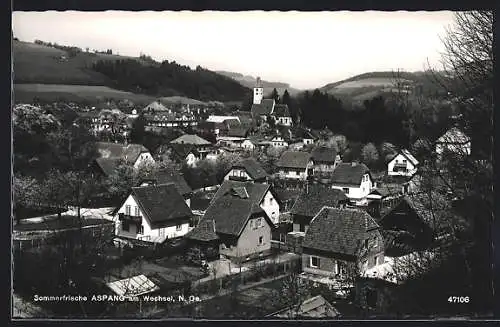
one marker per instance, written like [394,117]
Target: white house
[355,180]
[403,164]
[454,140]
[236,142]
[134,154]
[247,170]
[278,142]
[260,193]
[295,165]
[282,115]
[153,214]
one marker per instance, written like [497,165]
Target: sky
[304,49]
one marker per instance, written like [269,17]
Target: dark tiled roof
[231,214]
[281,110]
[324,154]
[166,176]
[339,230]
[315,197]
[265,107]
[205,231]
[253,168]
[347,174]
[182,150]
[129,152]
[161,203]
[294,159]
[433,209]
[232,123]
[107,165]
[255,191]
[190,139]
[237,132]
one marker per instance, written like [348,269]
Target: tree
[137,134]
[271,122]
[274,95]
[369,154]
[294,290]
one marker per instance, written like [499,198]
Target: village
[156,176]
[333,235]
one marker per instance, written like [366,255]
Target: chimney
[354,163]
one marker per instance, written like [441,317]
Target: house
[455,141]
[315,307]
[219,125]
[294,165]
[185,153]
[282,115]
[354,179]
[134,154]
[155,106]
[238,131]
[260,193]
[105,166]
[247,170]
[167,119]
[325,159]
[221,119]
[192,139]
[279,142]
[311,201]
[409,216]
[236,137]
[171,176]
[403,164]
[201,145]
[235,226]
[340,243]
[153,214]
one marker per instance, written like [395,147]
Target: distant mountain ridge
[250,81]
[368,85]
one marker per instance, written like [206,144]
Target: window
[314,262]
[346,190]
[259,222]
[136,209]
[125,226]
[140,230]
[242,174]
[335,267]
[371,298]
[302,227]
[178,228]
[261,240]
[297,173]
[366,244]
[127,210]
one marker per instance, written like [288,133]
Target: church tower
[258,92]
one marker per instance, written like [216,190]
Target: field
[54,92]
[34,63]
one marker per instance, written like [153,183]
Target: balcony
[136,219]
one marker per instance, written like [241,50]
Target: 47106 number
[458,299]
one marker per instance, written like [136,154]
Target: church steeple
[258,92]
